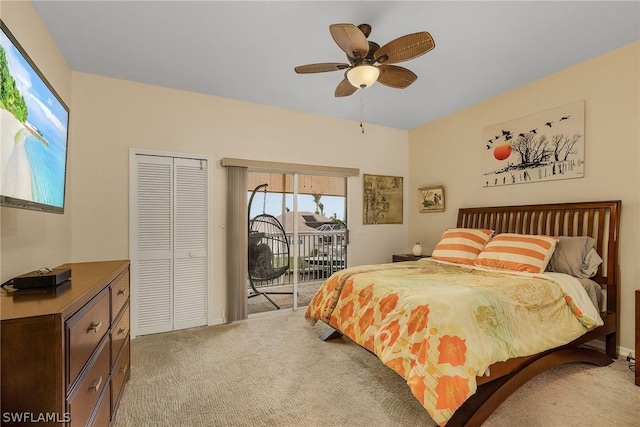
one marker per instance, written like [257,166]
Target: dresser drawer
[119,294]
[119,333]
[119,375]
[85,394]
[85,329]
[102,415]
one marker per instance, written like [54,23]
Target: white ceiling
[247,50]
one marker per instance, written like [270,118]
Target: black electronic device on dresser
[42,278]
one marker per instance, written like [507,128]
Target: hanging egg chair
[268,252]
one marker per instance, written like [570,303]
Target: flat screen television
[33,133]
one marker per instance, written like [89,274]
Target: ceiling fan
[363,55]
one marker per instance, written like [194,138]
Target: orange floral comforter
[440,325]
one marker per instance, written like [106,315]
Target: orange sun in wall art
[502,151]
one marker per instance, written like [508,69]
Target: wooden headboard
[600,220]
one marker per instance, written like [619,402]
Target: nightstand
[408,257]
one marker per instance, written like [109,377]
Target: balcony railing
[320,254]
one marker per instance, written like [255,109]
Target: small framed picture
[431,199]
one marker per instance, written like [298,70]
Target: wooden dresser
[65,350]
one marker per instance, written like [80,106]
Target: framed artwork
[431,199]
[382,199]
[542,147]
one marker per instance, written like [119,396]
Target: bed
[468,327]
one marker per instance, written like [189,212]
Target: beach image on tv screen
[33,132]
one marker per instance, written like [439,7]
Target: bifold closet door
[169,263]
[152,266]
[190,244]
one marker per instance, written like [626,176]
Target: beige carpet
[274,371]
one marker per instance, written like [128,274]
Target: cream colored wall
[30,240]
[446,152]
[111,116]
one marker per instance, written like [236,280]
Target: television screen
[33,133]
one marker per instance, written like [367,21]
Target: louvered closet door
[152,273]
[190,243]
[169,250]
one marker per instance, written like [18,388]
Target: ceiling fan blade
[396,77]
[345,88]
[350,39]
[405,48]
[321,67]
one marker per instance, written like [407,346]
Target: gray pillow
[590,264]
[569,255]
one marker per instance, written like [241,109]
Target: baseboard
[624,352]
[218,321]
[600,345]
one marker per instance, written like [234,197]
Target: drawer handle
[122,291]
[94,327]
[96,386]
[123,371]
[122,331]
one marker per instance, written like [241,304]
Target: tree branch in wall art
[382,199]
[541,147]
[431,199]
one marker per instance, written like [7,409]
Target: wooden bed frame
[600,220]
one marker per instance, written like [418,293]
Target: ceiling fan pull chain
[362,109]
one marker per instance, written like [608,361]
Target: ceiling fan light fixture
[363,75]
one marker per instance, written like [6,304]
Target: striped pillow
[461,245]
[518,252]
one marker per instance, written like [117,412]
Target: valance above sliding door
[264,166]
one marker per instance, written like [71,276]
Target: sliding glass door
[271,285]
[323,234]
[311,213]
